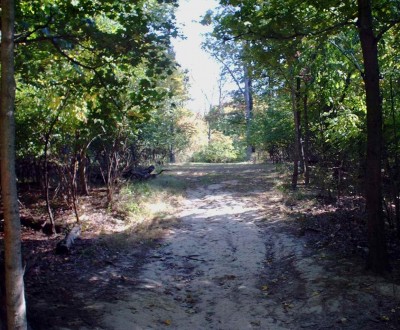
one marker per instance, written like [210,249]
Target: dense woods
[332,68]
[99,95]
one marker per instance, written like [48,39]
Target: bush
[220,149]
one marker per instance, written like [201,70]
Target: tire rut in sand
[206,273]
[235,263]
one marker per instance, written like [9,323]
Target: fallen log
[64,246]
[145,173]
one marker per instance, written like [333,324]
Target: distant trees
[238,69]
[315,58]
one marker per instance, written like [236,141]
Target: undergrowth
[147,209]
[299,199]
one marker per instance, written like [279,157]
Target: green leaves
[219,150]
[94,67]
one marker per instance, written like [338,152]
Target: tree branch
[46,38]
[64,54]
[386,29]
[29,33]
[352,59]
[230,72]
[273,35]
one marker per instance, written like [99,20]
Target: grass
[147,210]
[303,197]
[210,178]
[150,199]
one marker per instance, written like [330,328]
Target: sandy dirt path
[235,262]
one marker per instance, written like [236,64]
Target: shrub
[220,149]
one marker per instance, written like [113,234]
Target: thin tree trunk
[298,126]
[172,157]
[306,140]
[209,130]
[171,151]
[74,189]
[46,164]
[14,275]
[377,257]
[395,183]
[248,96]
[82,172]
[47,189]
[46,177]
[296,151]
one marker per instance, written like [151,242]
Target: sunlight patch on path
[235,262]
[206,273]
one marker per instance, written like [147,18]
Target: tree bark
[306,148]
[377,256]
[47,182]
[82,172]
[298,125]
[14,274]
[248,96]
[171,151]
[296,151]
[394,180]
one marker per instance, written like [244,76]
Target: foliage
[290,40]
[99,92]
[96,80]
[319,58]
[219,150]
[167,134]
[272,128]
[142,202]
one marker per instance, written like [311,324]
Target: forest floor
[236,253]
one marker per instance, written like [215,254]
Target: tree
[237,66]
[98,68]
[248,96]
[282,29]
[14,274]
[377,257]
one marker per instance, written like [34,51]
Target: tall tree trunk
[297,147]
[14,276]
[248,96]
[394,179]
[306,140]
[298,125]
[47,179]
[377,257]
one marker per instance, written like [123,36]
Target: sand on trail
[233,263]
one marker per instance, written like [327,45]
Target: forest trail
[235,261]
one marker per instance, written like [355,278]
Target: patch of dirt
[234,260]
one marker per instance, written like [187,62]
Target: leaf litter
[234,259]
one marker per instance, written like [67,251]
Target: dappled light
[231,252]
[199,164]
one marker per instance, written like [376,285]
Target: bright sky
[203,70]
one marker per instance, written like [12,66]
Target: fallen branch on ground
[145,173]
